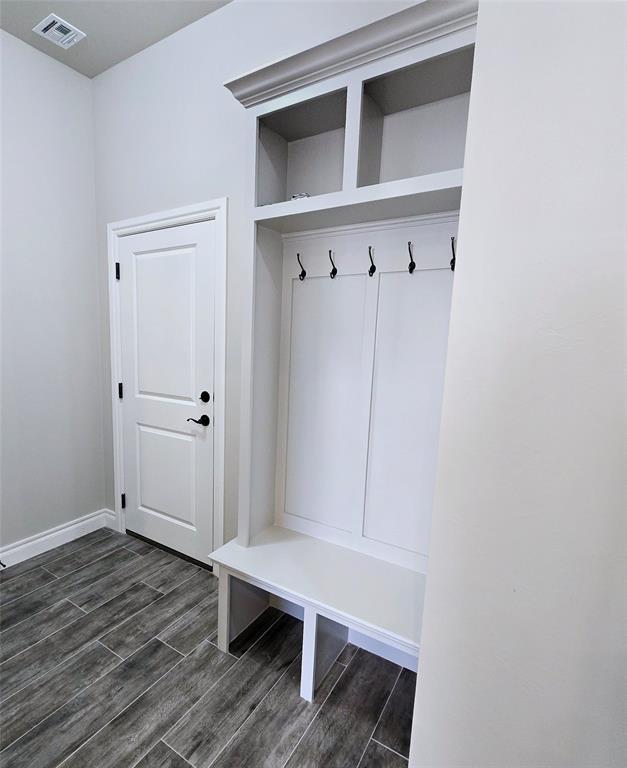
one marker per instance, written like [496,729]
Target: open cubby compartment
[347,385]
[413,120]
[300,149]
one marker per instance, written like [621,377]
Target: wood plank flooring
[108,659]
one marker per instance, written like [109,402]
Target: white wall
[523,657]
[168,134]
[52,416]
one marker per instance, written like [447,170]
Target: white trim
[384,650]
[355,540]
[373,193]
[215,210]
[399,32]
[10,554]
[384,225]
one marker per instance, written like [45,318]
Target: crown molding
[420,23]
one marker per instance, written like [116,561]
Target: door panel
[165,323]
[165,467]
[167,313]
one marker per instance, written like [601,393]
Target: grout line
[173,750]
[41,638]
[385,746]
[106,647]
[252,621]
[85,565]
[169,646]
[60,580]
[281,614]
[345,663]
[78,693]
[80,588]
[130,704]
[163,594]
[89,686]
[80,618]
[133,552]
[380,715]
[34,568]
[47,570]
[67,599]
[30,592]
[260,702]
[315,717]
[222,676]
[133,566]
[154,602]
[74,592]
[200,604]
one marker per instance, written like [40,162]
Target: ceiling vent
[58,31]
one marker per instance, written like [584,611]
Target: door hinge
[123,501]
[117,270]
[120,390]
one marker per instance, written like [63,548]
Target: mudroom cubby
[301,149]
[413,120]
[345,333]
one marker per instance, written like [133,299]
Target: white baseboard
[381,649]
[54,537]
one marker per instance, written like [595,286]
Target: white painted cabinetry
[343,375]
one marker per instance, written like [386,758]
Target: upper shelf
[301,149]
[413,120]
[431,193]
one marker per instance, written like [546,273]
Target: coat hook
[303,273]
[333,272]
[453,250]
[412,263]
[372,269]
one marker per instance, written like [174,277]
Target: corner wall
[523,653]
[52,416]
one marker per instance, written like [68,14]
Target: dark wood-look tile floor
[108,659]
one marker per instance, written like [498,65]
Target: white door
[167,331]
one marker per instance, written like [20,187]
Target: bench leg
[323,641]
[239,604]
[224,604]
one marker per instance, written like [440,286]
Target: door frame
[211,210]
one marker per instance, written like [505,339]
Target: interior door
[167,326]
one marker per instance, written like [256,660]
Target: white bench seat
[334,585]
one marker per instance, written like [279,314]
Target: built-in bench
[343,595]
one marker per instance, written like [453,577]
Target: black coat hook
[333,272]
[453,250]
[303,273]
[373,268]
[412,263]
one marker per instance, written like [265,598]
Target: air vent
[58,31]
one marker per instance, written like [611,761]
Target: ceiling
[116,29]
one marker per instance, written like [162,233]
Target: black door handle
[203,420]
